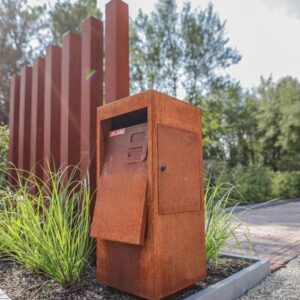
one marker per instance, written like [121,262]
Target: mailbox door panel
[179,185]
[120,212]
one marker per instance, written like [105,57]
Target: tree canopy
[26,31]
[174,50]
[20,25]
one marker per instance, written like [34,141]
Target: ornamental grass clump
[45,226]
[221,222]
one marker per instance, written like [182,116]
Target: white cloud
[291,7]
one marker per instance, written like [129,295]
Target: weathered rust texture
[14,111]
[179,165]
[37,117]
[121,213]
[91,93]
[173,254]
[25,121]
[70,102]
[116,51]
[52,109]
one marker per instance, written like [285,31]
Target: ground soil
[19,283]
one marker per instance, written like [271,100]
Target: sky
[265,32]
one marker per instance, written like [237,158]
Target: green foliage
[26,31]
[254,183]
[155,52]
[170,49]
[48,231]
[66,15]
[3,153]
[286,184]
[229,126]
[279,123]
[257,128]
[20,26]
[221,223]
[205,50]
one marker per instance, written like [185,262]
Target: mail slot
[149,213]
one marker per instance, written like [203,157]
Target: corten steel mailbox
[149,214]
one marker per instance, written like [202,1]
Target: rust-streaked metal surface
[14,111]
[179,167]
[185,231]
[25,120]
[37,117]
[91,93]
[116,51]
[70,102]
[52,109]
[126,267]
[173,254]
[120,212]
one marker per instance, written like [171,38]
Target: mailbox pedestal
[149,214]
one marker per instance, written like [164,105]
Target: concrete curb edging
[237,284]
[3,296]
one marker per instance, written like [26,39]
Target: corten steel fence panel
[14,110]
[70,102]
[37,117]
[52,108]
[25,120]
[91,93]
[116,51]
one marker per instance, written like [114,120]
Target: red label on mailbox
[116,132]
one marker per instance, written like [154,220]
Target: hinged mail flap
[120,212]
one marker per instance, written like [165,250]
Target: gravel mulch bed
[19,283]
[282,284]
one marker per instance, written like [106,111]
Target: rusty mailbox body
[149,214]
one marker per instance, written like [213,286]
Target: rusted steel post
[25,121]
[70,102]
[37,116]
[116,51]
[14,110]
[52,109]
[91,93]
[116,87]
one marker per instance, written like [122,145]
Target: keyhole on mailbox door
[163,168]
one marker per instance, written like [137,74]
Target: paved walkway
[274,230]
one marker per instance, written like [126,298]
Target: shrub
[286,184]
[48,230]
[221,223]
[254,183]
[3,152]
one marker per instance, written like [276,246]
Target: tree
[205,50]
[229,125]
[20,25]
[155,49]
[171,50]
[279,123]
[66,15]
[25,34]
